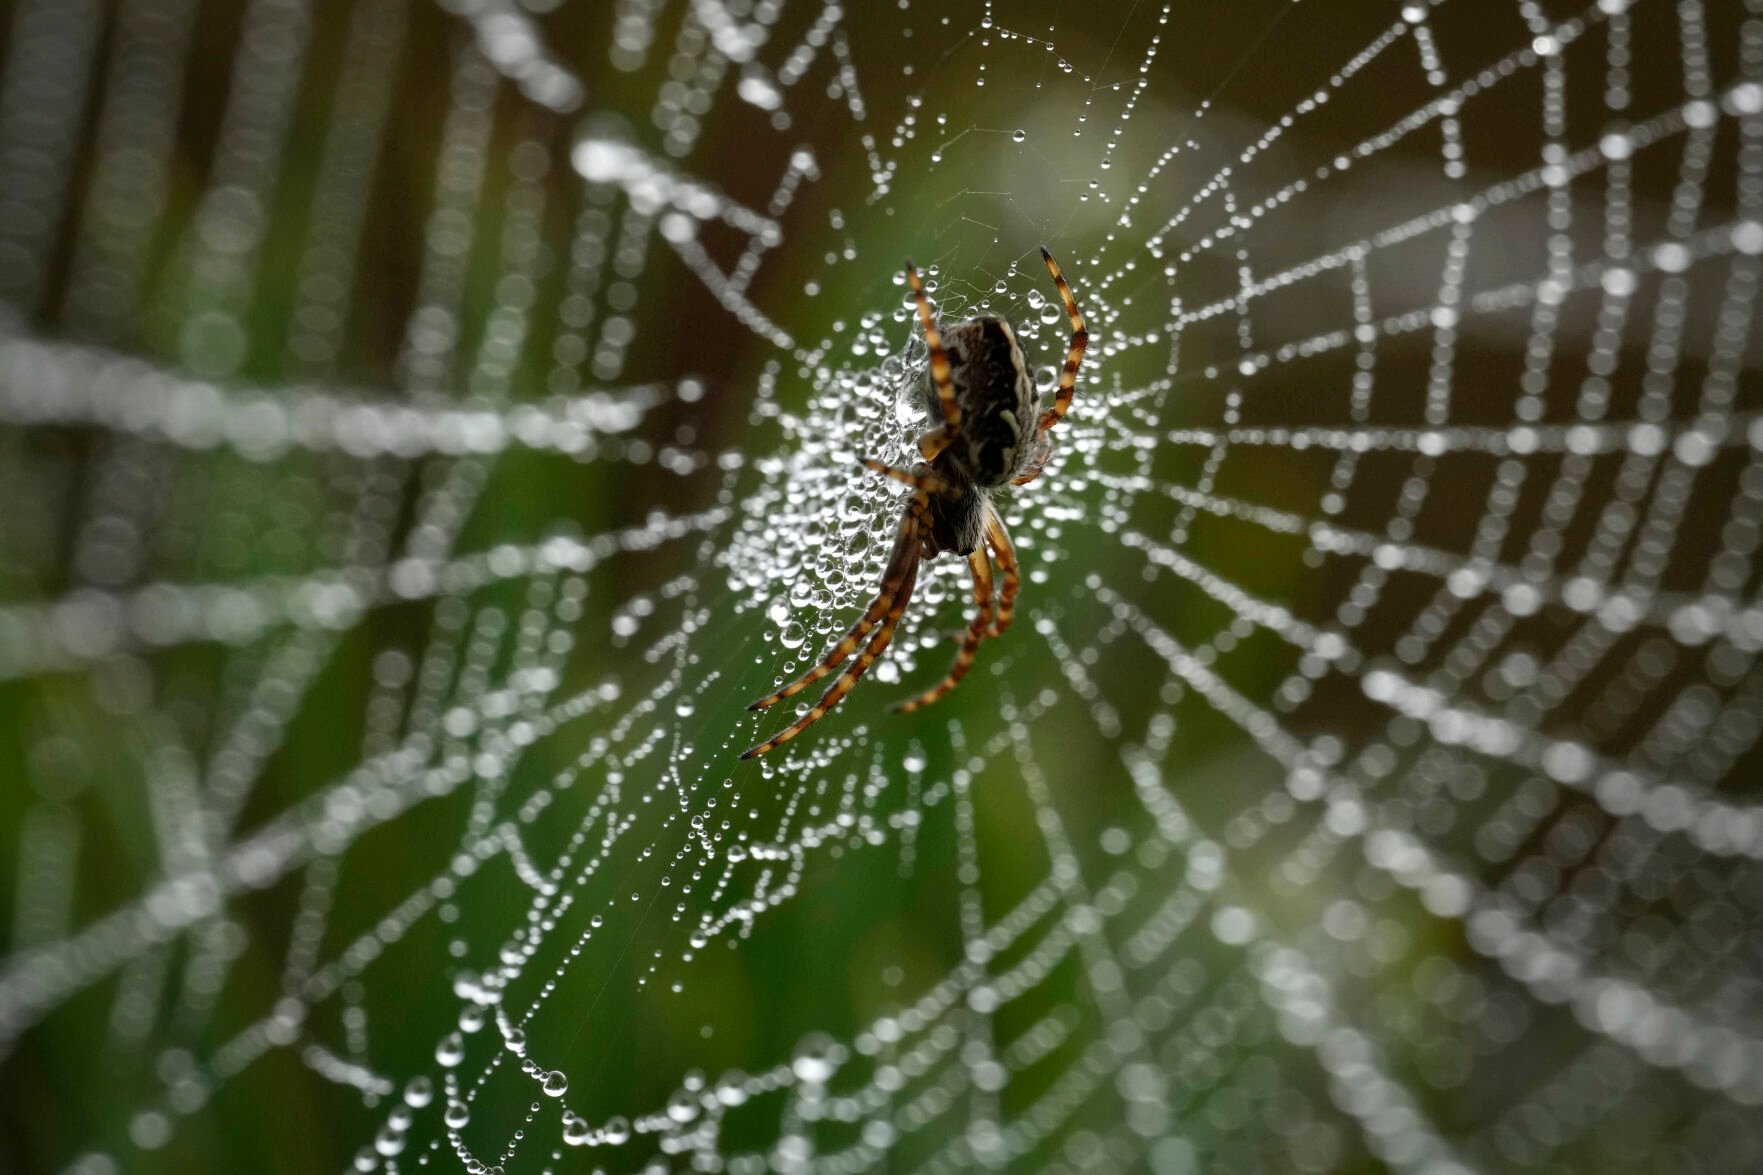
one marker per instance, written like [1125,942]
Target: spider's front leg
[1005,552]
[920,477]
[931,444]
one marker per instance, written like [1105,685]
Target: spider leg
[932,443]
[976,632]
[900,561]
[1037,460]
[939,368]
[999,540]
[922,477]
[842,684]
[1080,338]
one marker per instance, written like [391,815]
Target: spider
[988,432]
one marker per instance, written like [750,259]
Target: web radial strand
[424,428]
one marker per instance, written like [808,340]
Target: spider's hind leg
[842,684]
[976,632]
[901,561]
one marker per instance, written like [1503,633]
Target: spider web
[426,426]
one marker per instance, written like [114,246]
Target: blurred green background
[321,751]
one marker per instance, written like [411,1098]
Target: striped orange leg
[921,478]
[843,682]
[1037,459]
[1080,338]
[901,560]
[937,439]
[931,444]
[976,632]
[999,540]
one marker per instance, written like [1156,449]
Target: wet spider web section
[1364,786]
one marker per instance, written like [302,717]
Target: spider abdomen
[998,403]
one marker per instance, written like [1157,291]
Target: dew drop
[816,1057]
[682,1107]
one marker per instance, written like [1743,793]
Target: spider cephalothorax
[989,432]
